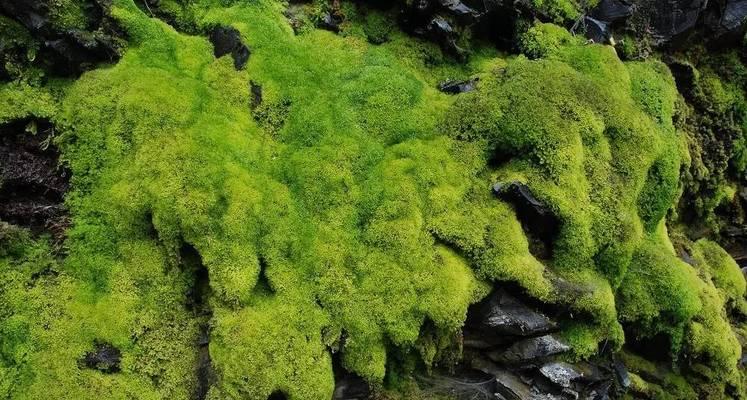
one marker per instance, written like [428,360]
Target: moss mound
[355,216]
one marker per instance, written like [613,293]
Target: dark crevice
[278,395]
[198,301]
[32,184]
[227,40]
[348,386]
[104,358]
[62,51]
[540,224]
[263,285]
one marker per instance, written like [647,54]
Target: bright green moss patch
[350,211]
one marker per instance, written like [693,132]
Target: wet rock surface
[227,40]
[104,357]
[32,184]
[65,51]
[348,386]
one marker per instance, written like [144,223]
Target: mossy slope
[362,214]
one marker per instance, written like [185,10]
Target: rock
[351,387]
[508,385]
[460,10]
[539,222]
[104,357]
[560,373]
[597,31]
[456,87]
[734,15]
[503,314]
[227,40]
[621,374]
[330,21]
[531,349]
[32,185]
[612,10]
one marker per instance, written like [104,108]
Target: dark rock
[351,387]
[531,349]
[612,10]
[560,373]
[621,374]
[597,31]
[330,21]
[227,40]
[255,90]
[67,51]
[734,15]
[32,185]
[463,383]
[508,385]
[460,10]
[456,87]
[502,314]
[539,222]
[104,357]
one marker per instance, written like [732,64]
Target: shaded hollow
[198,296]
[32,184]
[540,224]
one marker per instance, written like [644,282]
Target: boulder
[104,357]
[457,86]
[530,350]
[227,40]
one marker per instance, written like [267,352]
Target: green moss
[352,210]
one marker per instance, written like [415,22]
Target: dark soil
[32,183]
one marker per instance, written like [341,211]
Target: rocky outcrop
[512,351]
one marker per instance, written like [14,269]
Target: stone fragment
[560,373]
[458,86]
[503,314]
[529,350]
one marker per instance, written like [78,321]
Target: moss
[542,40]
[351,211]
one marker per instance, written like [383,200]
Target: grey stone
[503,314]
[560,373]
[531,349]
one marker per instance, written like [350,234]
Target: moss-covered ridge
[360,213]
